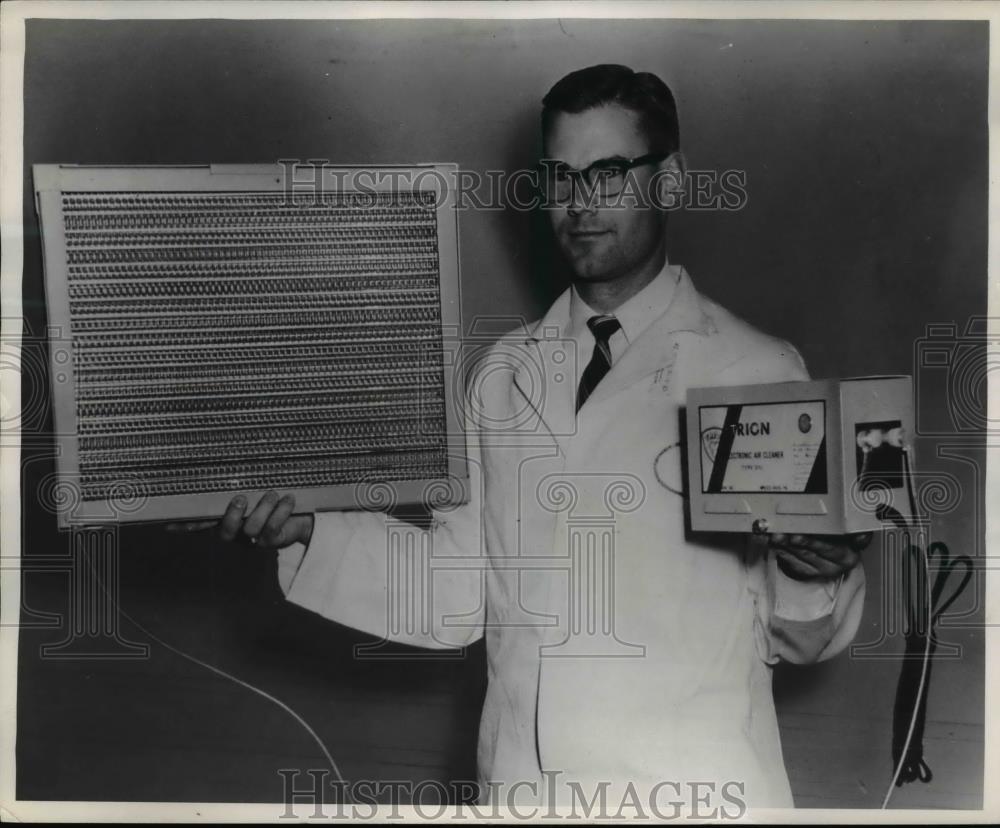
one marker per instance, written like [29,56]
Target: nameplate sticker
[763,447]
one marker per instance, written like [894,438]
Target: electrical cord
[908,752]
[904,752]
[220,672]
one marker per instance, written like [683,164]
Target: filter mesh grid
[240,341]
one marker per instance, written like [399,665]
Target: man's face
[604,242]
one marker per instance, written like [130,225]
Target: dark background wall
[865,149]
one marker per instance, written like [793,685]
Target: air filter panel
[216,330]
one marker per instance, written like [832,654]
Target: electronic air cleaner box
[818,457]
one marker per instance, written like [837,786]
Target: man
[623,650]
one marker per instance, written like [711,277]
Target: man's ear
[670,181]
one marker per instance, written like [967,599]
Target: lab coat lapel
[545,378]
[655,347]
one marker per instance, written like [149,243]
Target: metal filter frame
[129,502]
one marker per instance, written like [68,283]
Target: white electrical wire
[247,685]
[920,687]
[927,652]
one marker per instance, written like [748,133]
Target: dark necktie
[603,328]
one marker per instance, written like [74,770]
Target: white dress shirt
[635,315]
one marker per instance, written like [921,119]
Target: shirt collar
[634,315]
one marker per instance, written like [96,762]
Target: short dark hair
[609,83]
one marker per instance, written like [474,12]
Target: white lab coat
[621,647]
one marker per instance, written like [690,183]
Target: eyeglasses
[604,178]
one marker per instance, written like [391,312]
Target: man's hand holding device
[818,557]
